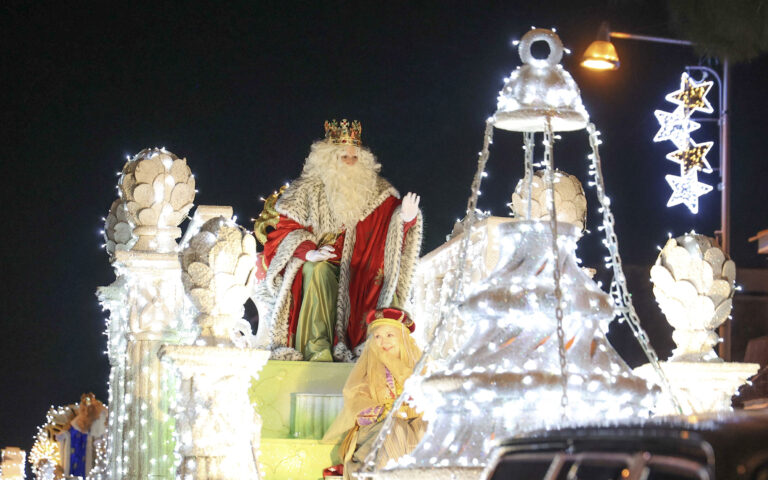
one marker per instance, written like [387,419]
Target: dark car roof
[731,442]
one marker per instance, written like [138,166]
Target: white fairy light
[686,189]
[675,126]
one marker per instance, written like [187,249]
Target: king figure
[344,244]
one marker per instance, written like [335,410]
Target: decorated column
[148,308]
[218,429]
[694,282]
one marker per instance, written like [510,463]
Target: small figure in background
[76,443]
[374,384]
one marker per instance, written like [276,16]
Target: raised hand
[410,207]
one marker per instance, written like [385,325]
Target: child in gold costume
[374,384]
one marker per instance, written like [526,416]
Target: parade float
[514,328]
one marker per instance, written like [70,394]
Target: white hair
[323,155]
[349,188]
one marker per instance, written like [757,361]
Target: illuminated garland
[676,127]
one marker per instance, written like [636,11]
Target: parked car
[730,446]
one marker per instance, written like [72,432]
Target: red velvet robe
[366,267]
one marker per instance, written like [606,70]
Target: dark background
[242,89]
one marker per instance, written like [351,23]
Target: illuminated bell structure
[694,283]
[534,353]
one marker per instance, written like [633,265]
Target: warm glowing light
[692,95]
[600,55]
[692,157]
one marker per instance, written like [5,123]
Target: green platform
[283,456]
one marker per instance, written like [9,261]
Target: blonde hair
[367,386]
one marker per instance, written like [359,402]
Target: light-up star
[692,157]
[692,95]
[675,126]
[686,189]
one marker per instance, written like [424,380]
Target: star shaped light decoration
[675,126]
[692,157]
[692,95]
[686,189]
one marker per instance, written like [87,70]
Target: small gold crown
[343,133]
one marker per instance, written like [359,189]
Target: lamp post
[602,55]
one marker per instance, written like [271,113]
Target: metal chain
[370,460]
[548,163]
[619,290]
[528,144]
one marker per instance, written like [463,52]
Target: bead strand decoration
[443,329]
[528,144]
[509,374]
[619,291]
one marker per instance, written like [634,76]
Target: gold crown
[343,133]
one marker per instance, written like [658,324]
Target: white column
[154,311]
[218,428]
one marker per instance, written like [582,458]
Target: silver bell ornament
[540,90]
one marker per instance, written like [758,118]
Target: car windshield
[598,466]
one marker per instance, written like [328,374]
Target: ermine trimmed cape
[306,203]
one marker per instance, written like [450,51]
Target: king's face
[349,155]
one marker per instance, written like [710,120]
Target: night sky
[242,90]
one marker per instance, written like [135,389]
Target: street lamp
[602,55]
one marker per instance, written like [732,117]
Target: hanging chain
[548,163]
[528,144]
[619,290]
[458,288]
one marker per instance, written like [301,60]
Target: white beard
[349,188]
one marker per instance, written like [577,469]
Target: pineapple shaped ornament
[570,202]
[118,229]
[218,271]
[693,282]
[158,189]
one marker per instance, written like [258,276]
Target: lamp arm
[648,38]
